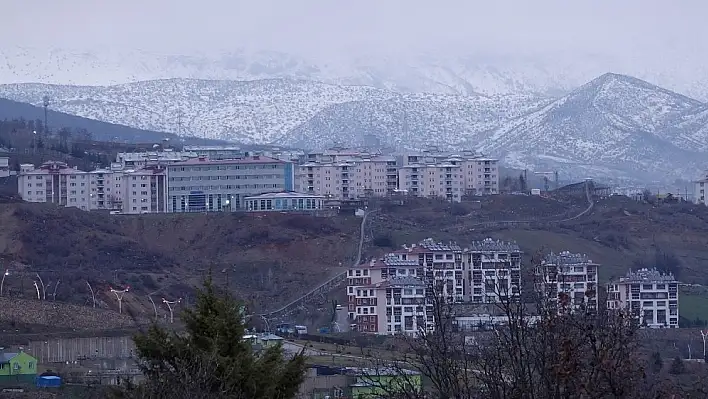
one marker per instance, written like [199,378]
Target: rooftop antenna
[119,295]
[169,306]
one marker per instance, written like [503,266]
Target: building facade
[203,185]
[130,191]
[397,293]
[651,295]
[494,269]
[54,182]
[348,177]
[144,190]
[282,202]
[4,166]
[349,174]
[569,278]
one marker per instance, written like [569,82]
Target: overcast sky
[345,27]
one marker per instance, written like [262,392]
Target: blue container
[48,381]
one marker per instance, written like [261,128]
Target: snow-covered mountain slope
[258,111]
[615,125]
[280,110]
[552,74]
[413,121]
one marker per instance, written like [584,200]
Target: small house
[270,340]
[17,367]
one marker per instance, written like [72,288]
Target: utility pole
[45,102]
[169,306]
[119,295]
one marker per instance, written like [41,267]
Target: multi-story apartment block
[203,185]
[144,190]
[481,175]
[4,166]
[355,177]
[105,188]
[442,180]
[54,182]
[569,278]
[396,293]
[132,190]
[494,270]
[648,293]
[388,295]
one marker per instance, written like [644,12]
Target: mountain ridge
[614,125]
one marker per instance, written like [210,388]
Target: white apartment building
[388,295]
[395,293]
[4,166]
[352,178]
[481,174]
[441,180]
[494,270]
[570,278]
[203,185]
[144,190]
[54,182]
[648,293]
[131,191]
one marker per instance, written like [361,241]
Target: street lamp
[119,296]
[93,297]
[44,290]
[2,283]
[169,306]
[704,335]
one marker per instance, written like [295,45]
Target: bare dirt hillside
[265,259]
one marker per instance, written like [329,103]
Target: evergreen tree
[211,359]
[677,366]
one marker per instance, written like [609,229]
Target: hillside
[414,121]
[100,130]
[615,126]
[266,260]
[619,233]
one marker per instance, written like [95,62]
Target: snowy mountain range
[467,74]
[614,126]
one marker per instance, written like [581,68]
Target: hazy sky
[341,27]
